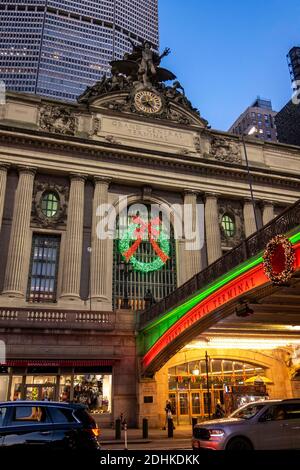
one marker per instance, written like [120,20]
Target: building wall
[58,48]
[117,155]
[288,121]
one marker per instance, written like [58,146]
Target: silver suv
[261,425]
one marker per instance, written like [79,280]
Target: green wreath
[127,249]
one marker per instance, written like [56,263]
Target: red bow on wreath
[139,232]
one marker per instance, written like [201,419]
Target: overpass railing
[253,245]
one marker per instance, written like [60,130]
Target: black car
[42,425]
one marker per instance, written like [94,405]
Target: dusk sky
[227,52]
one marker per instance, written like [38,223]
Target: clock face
[147,102]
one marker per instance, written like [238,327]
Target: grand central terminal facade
[97,320]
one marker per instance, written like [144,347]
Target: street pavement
[157,439]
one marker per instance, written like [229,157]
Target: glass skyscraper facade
[57,48]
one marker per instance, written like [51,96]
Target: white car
[261,425]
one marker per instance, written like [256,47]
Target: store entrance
[40,392]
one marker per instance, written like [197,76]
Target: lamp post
[250,181]
[207,383]
[126,269]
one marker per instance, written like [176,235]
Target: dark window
[62,415]
[42,283]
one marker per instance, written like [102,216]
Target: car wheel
[239,443]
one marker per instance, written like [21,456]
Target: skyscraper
[258,120]
[288,118]
[57,48]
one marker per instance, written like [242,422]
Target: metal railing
[253,245]
[44,318]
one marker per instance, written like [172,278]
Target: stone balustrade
[45,318]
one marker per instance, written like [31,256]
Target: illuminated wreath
[279,260]
[136,233]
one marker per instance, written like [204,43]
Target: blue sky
[227,52]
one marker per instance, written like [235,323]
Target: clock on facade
[148,102]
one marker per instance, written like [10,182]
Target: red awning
[60,362]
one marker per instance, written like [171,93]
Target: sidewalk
[135,436]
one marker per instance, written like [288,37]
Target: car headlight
[216,432]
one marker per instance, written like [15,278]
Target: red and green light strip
[160,332]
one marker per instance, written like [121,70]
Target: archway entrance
[192,395]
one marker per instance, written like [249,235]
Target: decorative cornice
[84,147]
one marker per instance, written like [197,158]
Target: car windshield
[247,412]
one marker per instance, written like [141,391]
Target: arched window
[50,204]
[150,270]
[228,225]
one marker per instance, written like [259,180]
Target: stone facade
[94,154]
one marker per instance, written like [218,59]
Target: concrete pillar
[249,218]
[212,228]
[3,178]
[74,237]
[100,247]
[268,212]
[17,250]
[192,249]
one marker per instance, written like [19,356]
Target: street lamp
[126,269]
[207,358]
[252,131]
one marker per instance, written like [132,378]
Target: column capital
[102,179]
[212,195]
[194,192]
[4,166]
[265,203]
[26,169]
[248,200]
[78,177]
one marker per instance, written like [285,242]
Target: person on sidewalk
[168,410]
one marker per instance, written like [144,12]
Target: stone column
[3,178]
[212,228]
[192,249]
[73,241]
[100,247]
[249,218]
[17,250]
[268,212]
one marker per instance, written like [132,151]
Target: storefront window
[16,388]
[4,379]
[65,388]
[40,379]
[93,391]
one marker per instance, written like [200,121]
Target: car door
[293,417]
[27,427]
[3,419]
[66,429]
[274,430]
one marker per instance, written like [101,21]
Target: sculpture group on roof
[139,69]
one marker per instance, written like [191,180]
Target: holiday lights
[136,234]
[279,260]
